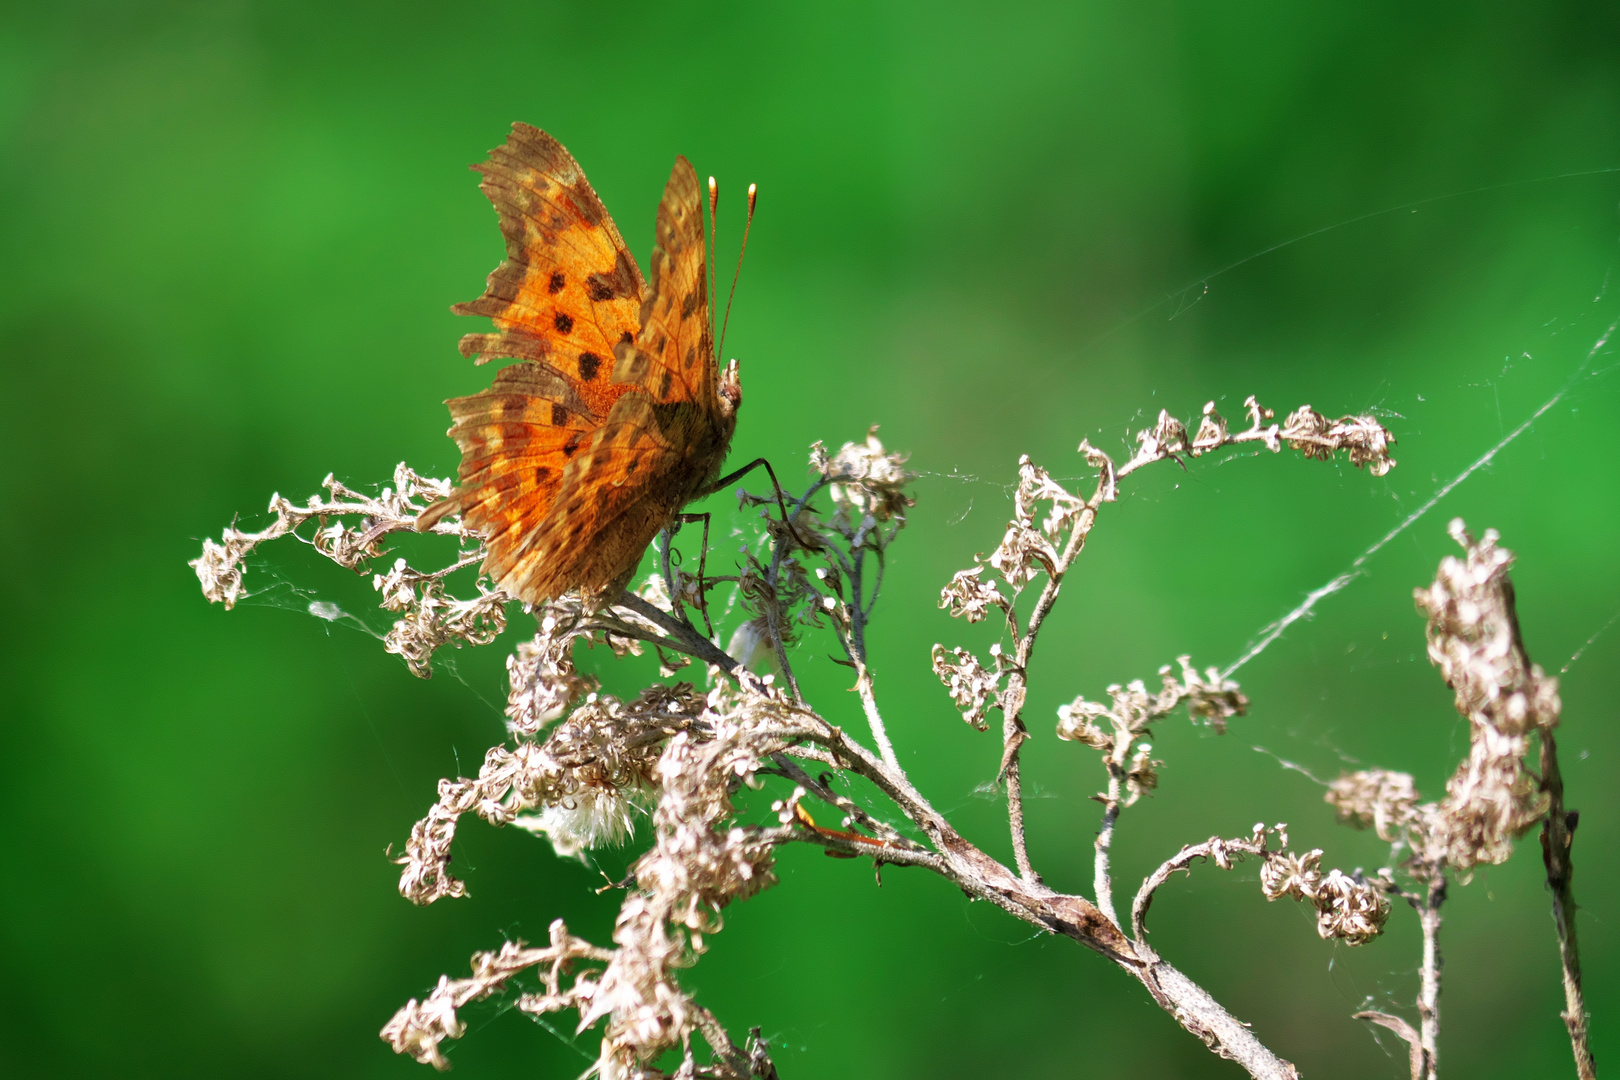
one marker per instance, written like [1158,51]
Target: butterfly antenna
[714,280]
[753,195]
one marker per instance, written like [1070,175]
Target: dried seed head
[969,596]
[974,688]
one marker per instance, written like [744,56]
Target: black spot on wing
[599,290]
[664,384]
[589,364]
[557,282]
[542,474]
[571,447]
[627,338]
[559,415]
[563,322]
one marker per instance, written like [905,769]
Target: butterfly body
[615,415]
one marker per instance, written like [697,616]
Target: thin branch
[842,614]
[1101,881]
[1557,836]
[1221,851]
[1013,732]
[855,814]
[683,635]
[863,687]
[779,551]
[816,754]
[855,646]
[893,853]
[1429,975]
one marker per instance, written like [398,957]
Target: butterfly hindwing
[516,440]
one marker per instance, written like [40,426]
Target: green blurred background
[231,233]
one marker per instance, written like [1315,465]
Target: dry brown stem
[1557,839]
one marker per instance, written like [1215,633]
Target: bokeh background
[229,237]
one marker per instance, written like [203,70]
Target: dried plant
[581,767]
[1493,798]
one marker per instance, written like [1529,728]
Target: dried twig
[1557,837]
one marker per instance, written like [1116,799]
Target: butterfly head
[730,391]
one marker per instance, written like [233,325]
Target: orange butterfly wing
[568,292]
[566,295]
[662,443]
[570,464]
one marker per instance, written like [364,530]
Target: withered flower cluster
[1494,797]
[1347,907]
[350,528]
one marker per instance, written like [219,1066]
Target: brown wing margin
[672,358]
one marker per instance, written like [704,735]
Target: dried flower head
[1143,775]
[1386,801]
[1036,486]
[866,480]
[1027,549]
[974,688]
[1022,553]
[1294,876]
[1351,910]
[350,527]
[1167,436]
[1077,722]
[1474,639]
[543,680]
[585,780]
[1365,440]
[969,596]
[1212,431]
[698,864]
[1347,908]
[419,1027]
[430,620]
[1210,698]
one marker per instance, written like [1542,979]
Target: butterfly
[616,414]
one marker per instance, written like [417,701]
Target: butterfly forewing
[673,356]
[568,292]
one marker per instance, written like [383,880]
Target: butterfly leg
[731,478]
[703,561]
